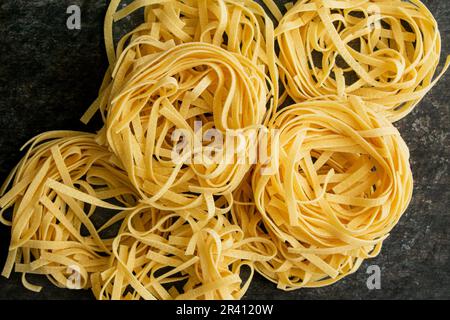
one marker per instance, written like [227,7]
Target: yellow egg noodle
[59,184]
[187,84]
[56,188]
[239,26]
[385,52]
[130,214]
[338,182]
[174,256]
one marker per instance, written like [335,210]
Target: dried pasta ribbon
[163,255]
[53,193]
[340,182]
[238,26]
[194,88]
[385,52]
[129,215]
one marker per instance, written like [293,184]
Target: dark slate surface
[49,75]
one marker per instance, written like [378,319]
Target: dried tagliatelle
[239,26]
[166,202]
[172,117]
[337,183]
[385,52]
[55,190]
[163,255]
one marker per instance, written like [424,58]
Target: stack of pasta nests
[115,212]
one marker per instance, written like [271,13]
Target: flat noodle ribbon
[338,182]
[238,26]
[189,90]
[56,188]
[192,212]
[207,62]
[385,52]
[163,255]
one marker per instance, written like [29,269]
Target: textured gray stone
[49,75]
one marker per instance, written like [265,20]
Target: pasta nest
[192,89]
[238,26]
[171,255]
[385,52]
[57,186]
[338,181]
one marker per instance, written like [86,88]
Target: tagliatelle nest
[56,188]
[338,182]
[168,256]
[385,52]
[191,88]
[206,172]
[238,26]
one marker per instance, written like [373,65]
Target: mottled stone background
[49,75]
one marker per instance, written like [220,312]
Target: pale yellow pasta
[207,62]
[164,255]
[157,84]
[187,86]
[385,52]
[54,192]
[338,182]
[239,26]
[131,213]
